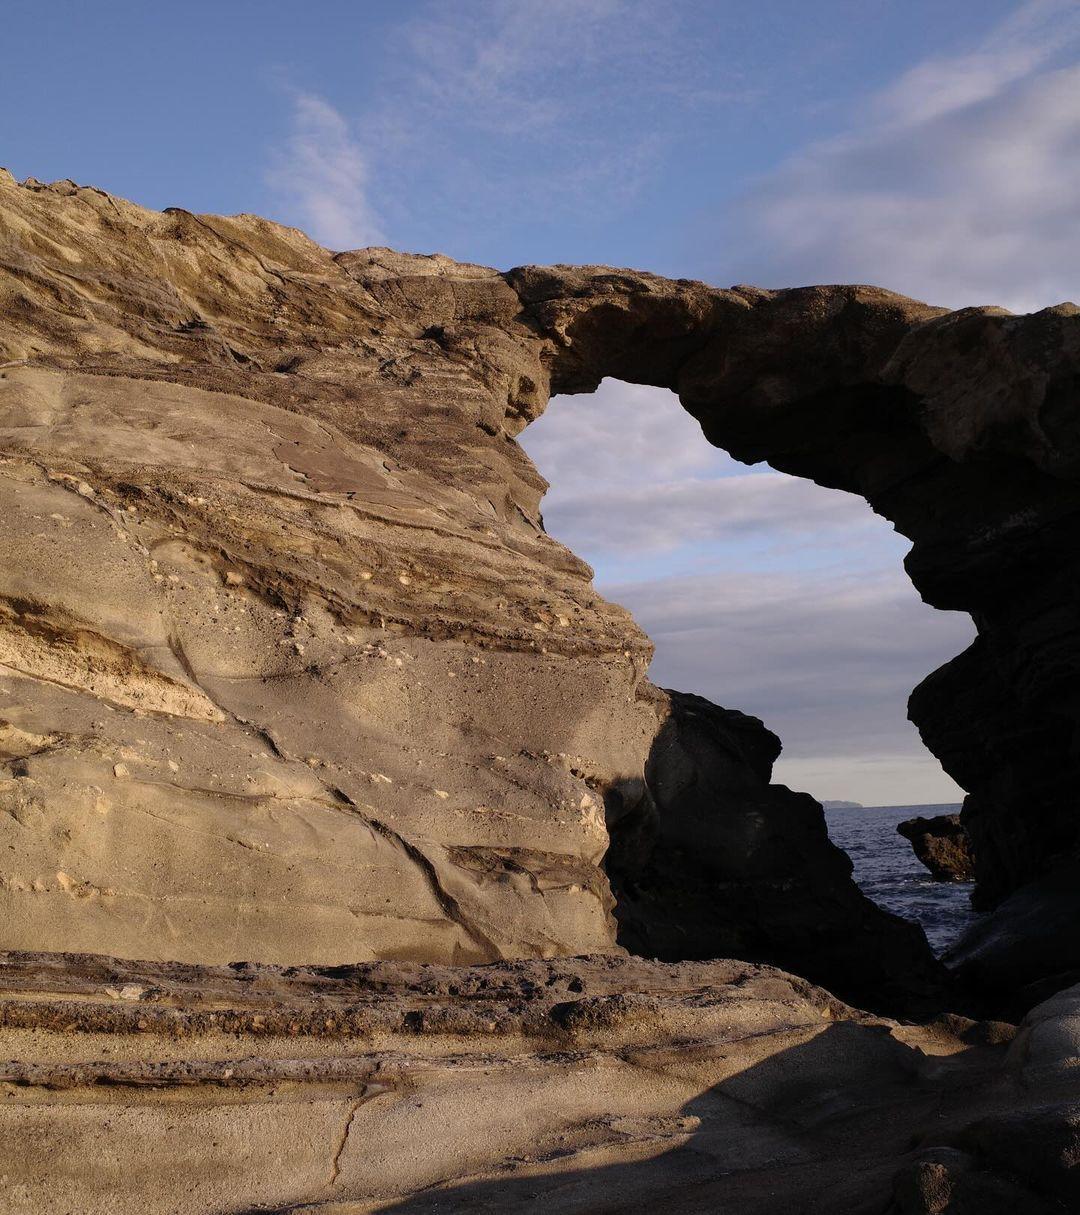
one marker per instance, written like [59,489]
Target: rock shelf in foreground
[583,1084]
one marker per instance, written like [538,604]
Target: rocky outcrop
[1011,1161]
[583,1084]
[708,858]
[579,1084]
[290,667]
[291,673]
[1028,948]
[956,427]
[942,845]
[959,428]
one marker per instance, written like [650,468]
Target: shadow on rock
[852,1122]
[709,859]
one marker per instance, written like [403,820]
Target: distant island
[843,805]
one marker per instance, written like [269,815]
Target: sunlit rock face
[581,1085]
[290,671]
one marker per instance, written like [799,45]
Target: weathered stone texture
[290,668]
[290,673]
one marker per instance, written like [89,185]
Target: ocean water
[887,870]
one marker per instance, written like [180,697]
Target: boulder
[942,845]
[1041,1146]
[1046,1049]
[1027,948]
[709,859]
[947,1181]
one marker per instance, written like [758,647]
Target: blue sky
[932,148]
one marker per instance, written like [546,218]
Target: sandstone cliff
[291,670]
[300,706]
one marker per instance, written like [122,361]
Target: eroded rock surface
[291,671]
[941,843]
[576,1085]
[288,669]
[298,700]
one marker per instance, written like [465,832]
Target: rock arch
[357,496]
[957,427]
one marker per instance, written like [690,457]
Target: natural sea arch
[957,427]
[761,591]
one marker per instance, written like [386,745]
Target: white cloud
[961,189]
[322,171]
[631,473]
[1024,41]
[654,517]
[826,662]
[616,436]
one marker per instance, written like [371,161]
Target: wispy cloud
[511,114]
[660,517]
[960,188]
[484,61]
[322,173]
[546,104]
[1023,42]
[618,434]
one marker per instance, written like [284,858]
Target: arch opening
[767,594]
[952,425]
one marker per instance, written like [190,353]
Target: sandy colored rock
[268,523]
[299,703]
[317,685]
[583,1084]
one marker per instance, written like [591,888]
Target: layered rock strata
[290,669]
[575,1085]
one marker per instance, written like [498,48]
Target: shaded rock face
[1029,948]
[290,670]
[960,429]
[708,858]
[941,843]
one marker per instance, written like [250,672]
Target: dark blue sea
[887,871]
